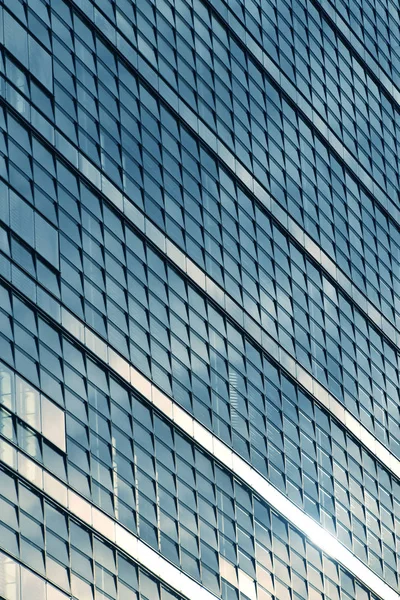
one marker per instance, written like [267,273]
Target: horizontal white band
[253,329]
[102,524]
[212,444]
[213,290]
[149,558]
[175,255]
[270,345]
[327,400]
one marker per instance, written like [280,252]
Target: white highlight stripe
[210,443]
[102,524]
[214,291]
[153,561]
[253,329]
[94,343]
[269,344]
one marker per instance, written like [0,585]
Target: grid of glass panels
[305,24]
[216,85]
[157,370]
[376,23]
[336,229]
[247,272]
[58,547]
[112,278]
[263,416]
[19,398]
[19,583]
[172,227]
[228,522]
[309,51]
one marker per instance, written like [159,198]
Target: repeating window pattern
[244,529]
[208,232]
[19,583]
[66,88]
[309,52]
[335,224]
[376,24]
[227,89]
[295,446]
[292,39]
[35,410]
[61,549]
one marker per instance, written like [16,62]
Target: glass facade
[199,300]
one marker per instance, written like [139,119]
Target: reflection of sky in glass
[165,348]
[317,534]
[232,461]
[158,565]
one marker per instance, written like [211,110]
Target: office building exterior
[199,300]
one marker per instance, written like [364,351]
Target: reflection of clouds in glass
[53,423]
[27,51]
[181,373]
[28,403]
[7,395]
